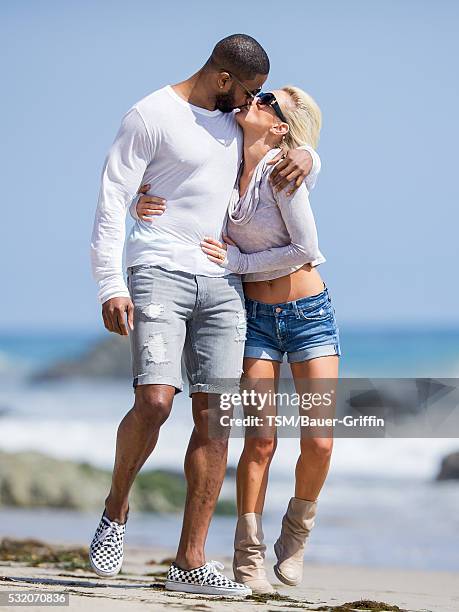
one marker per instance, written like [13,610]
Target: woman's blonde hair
[304,119]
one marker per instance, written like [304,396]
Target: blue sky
[383,72]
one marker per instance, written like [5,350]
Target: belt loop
[254,309]
[295,309]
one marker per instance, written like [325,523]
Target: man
[184,141]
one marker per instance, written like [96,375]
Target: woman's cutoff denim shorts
[304,329]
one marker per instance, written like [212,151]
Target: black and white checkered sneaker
[106,550]
[205,580]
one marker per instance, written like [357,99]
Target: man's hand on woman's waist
[146,207]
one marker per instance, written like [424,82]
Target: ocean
[380,506]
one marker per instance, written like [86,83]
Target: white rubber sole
[198,589]
[101,573]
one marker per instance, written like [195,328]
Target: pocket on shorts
[142,284]
[322,311]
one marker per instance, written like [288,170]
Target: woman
[271,239]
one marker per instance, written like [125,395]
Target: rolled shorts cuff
[262,352]
[312,352]
[218,388]
[152,379]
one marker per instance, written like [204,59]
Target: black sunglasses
[267,98]
[252,94]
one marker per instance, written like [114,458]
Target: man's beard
[226,102]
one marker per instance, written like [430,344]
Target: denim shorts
[304,329]
[180,314]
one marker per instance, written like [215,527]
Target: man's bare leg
[205,465]
[136,438]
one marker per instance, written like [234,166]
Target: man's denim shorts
[304,329]
[199,317]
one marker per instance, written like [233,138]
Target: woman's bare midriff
[299,284]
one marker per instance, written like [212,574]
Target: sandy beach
[325,587]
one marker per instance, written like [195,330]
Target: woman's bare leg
[259,445]
[316,446]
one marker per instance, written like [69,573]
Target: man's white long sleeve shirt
[190,156]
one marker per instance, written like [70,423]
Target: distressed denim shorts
[180,314]
[304,329]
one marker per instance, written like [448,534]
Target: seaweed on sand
[363,605]
[35,553]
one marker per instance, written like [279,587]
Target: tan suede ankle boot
[289,548]
[249,554]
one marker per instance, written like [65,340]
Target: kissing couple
[222,270]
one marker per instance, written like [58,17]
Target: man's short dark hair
[241,54]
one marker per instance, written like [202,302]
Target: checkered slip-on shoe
[106,550]
[205,580]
